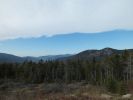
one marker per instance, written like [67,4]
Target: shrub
[113,86]
[123,88]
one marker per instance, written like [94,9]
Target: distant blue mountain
[46,58]
[84,55]
[10,58]
[13,59]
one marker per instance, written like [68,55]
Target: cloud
[33,18]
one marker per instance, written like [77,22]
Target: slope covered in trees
[112,70]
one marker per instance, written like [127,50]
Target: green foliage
[113,86]
[110,71]
[123,88]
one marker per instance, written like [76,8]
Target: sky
[68,43]
[37,21]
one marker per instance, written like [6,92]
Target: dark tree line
[117,67]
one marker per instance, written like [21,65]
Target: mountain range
[84,55]
[12,58]
[97,54]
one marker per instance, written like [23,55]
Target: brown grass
[76,91]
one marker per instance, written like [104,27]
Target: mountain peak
[108,51]
[107,48]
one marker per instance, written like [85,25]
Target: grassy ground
[54,91]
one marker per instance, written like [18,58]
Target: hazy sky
[67,44]
[25,26]
[32,18]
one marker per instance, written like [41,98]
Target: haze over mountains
[12,58]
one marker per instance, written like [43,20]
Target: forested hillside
[114,69]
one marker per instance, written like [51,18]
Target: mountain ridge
[10,58]
[84,55]
[98,54]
